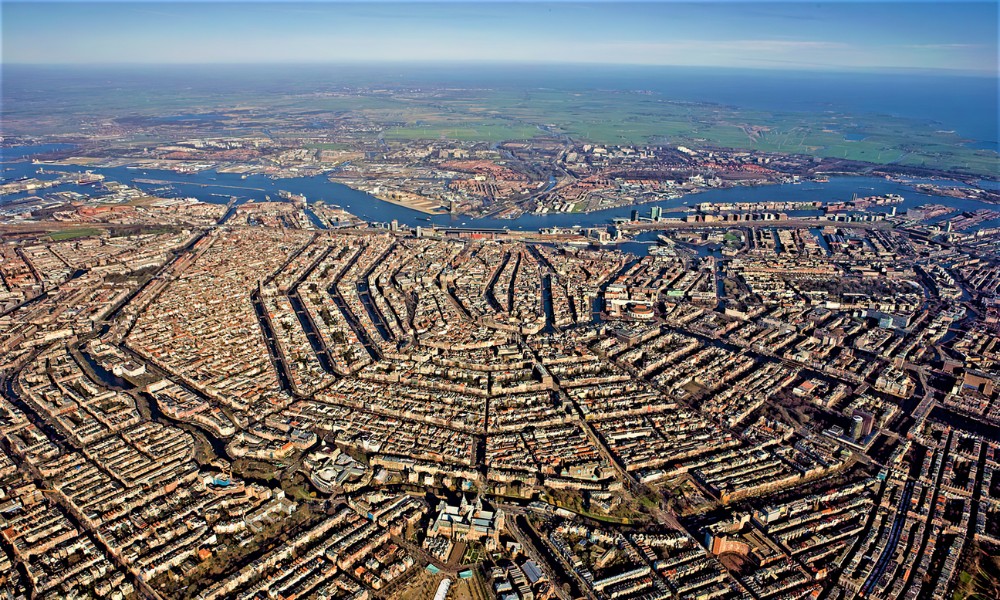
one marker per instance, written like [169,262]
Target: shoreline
[403,204]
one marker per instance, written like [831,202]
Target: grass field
[70,234]
[497,114]
[980,575]
[607,117]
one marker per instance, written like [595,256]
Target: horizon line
[819,69]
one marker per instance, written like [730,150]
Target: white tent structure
[443,590]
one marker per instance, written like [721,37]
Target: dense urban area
[213,389]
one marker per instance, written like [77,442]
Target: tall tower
[857,427]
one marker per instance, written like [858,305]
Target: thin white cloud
[945,46]
[769,45]
[736,52]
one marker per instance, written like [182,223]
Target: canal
[272,345]
[943,414]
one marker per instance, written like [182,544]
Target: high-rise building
[867,421]
[857,427]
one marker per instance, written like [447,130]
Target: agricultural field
[291,109]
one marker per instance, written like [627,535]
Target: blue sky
[794,35]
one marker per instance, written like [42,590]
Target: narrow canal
[272,345]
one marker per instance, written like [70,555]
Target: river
[218,188]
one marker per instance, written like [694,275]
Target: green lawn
[69,234]
[598,116]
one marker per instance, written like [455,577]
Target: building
[978,381]
[857,427]
[471,521]
[867,422]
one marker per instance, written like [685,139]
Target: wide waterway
[210,186]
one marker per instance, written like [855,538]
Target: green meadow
[607,117]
